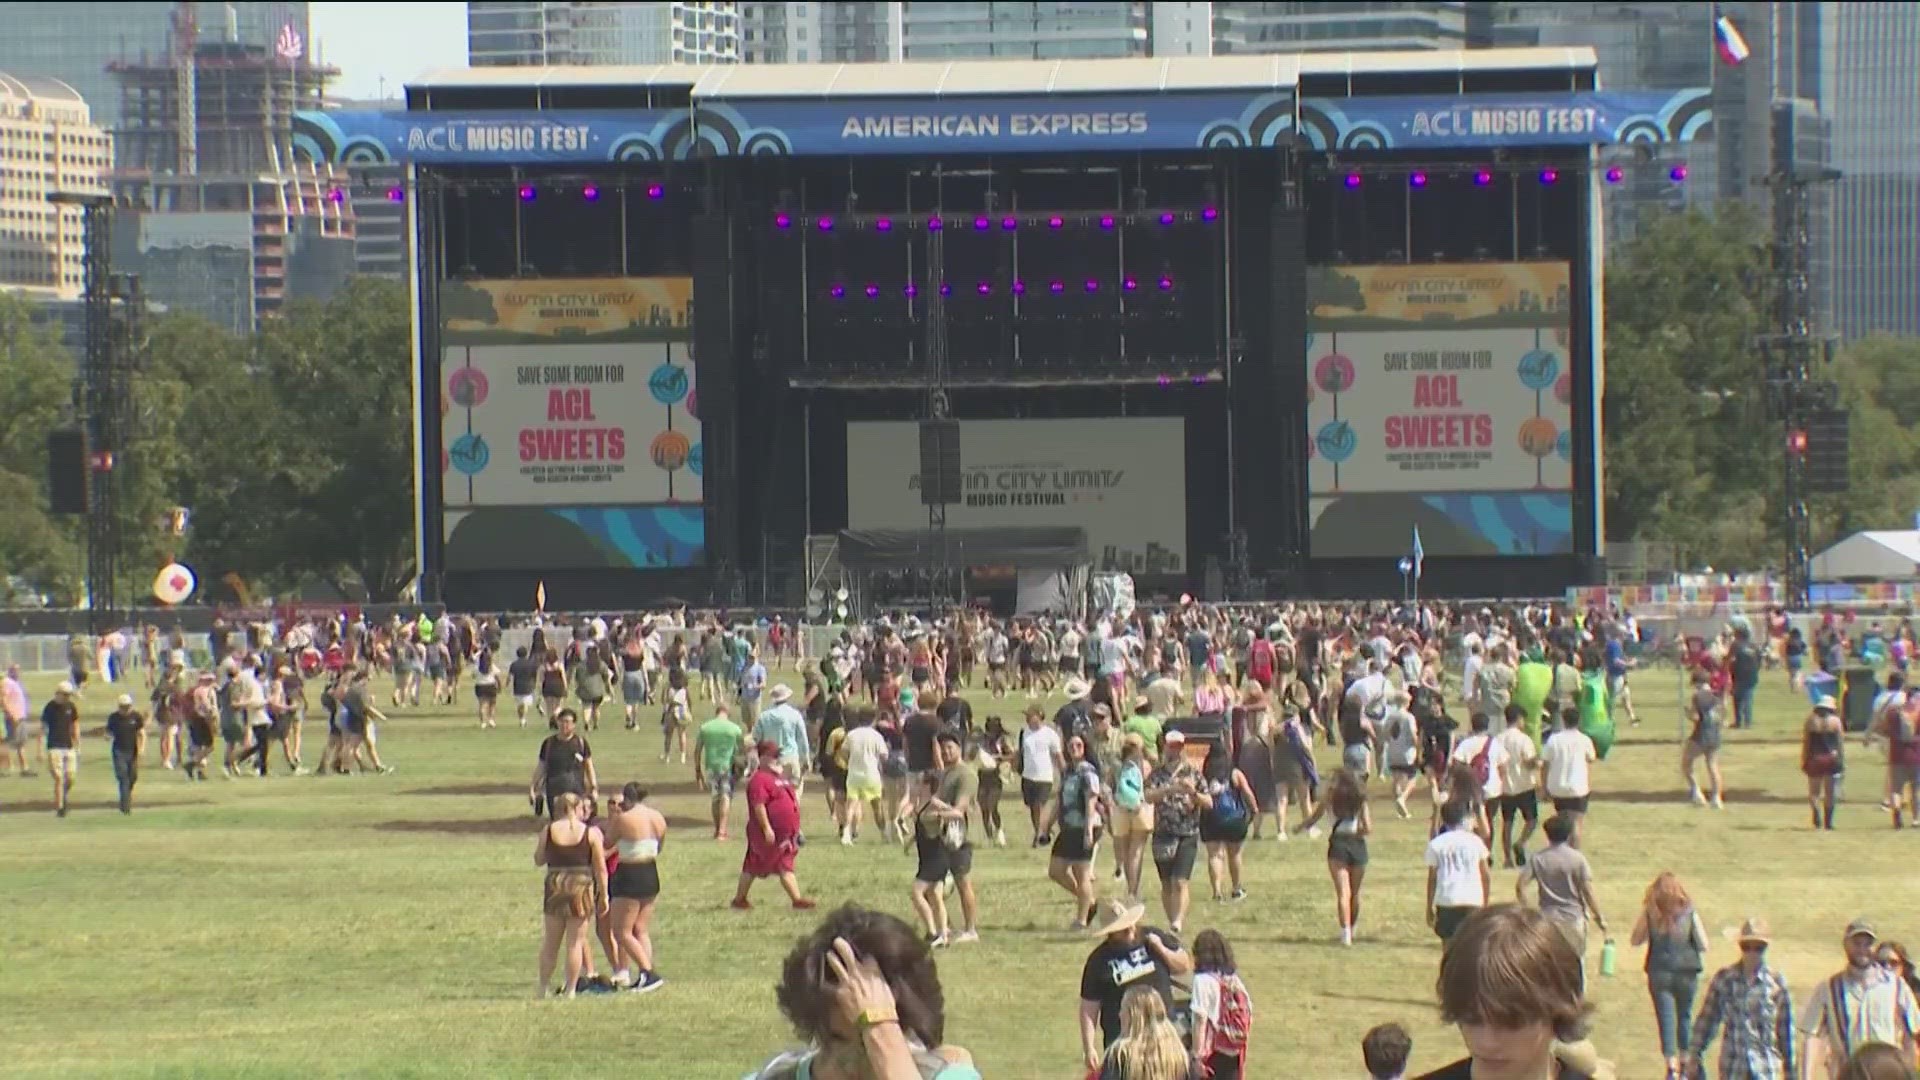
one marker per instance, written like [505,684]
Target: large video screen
[570,430]
[1440,396]
[1122,480]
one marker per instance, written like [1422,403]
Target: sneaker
[1717,804]
[939,941]
[1695,797]
[846,840]
[648,983]
[1238,895]
[966,937]
[1314,832]
[1000,837]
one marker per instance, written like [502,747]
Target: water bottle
[1609,958]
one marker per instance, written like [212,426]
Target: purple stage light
[884,224]
[1353,180]
[1164,381]
[1166,283]
[1199,380]
[873,292]
[1056,287]
[528,193]
[1106,221]
[1482,177]
[655,191]
[1019,288]
[1616,174]
[1418,179]
[1130,284]
[336,196]
[825,224]
[395,194]
[783,220]
[1678,174]
[946,289]
[590,193]
[1549,176]
[1008,224]
[985,288]
[1210,213]
[1167,218]
[1093,285]
[934,224]
[837,292]
[1054,222]
[912,290]
[981,224]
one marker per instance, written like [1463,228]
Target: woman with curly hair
[863,991]
[1676,942]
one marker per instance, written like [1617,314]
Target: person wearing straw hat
[786,728]
[1128,955]
[60,720]
[1863,1003]
[1752,1002]
[1822,759]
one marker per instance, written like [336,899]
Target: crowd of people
[1179,734]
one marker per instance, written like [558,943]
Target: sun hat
[780,694]
[1825,703]
[1755,930]
[1077,688]
[1116,915]
[1174,736]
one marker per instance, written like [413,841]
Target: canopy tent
[1875,556]
[1051,563]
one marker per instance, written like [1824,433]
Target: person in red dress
[773,830]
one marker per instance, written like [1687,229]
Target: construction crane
[186,37]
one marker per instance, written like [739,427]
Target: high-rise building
[1052,31]
[529,33]
[75,42]
[1870,86]
[1343,27]
[839,33]
[48,144]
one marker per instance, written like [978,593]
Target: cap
[1860,928]
[126,701]
[1825,703]
[64,688]
[767,748]
[1140,702]
[1175,736]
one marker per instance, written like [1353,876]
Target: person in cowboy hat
[1752,1002]
[1127,956]
[1822,759]
[784,727]
[1863,1003]
[60,726]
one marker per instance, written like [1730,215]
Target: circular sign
[1538,436]
[1539,368]
[697,459]
[668,384]
[1334,373]
[469,454]
[1336,441]
[1564,445]
[173,584]
[1406,565]
[467,387]
[669,450]
[1563,389]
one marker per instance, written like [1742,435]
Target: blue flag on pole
[1419,553]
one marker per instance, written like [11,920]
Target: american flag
[289,44]
[1728,41]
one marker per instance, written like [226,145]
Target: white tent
[1876,556]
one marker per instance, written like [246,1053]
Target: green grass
[388,926]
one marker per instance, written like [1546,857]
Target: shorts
[835,777]
[1218,832]
[1135,822]
[568,894]
[635,881]
[1901,775]
[1405,772]
[633,687]
[486,691]
[1446,920]
[1617,686]
[1348,849]
[865,788]
[1574,805]
[1071,845]
[790,767]
[1356,757]
[1574,931]
[16,737]
[200,732]
[1069,666]
[1036,793]
[233,732]
[63,762]
[1525,805]
[720,785]
[1174,857]
[524,701]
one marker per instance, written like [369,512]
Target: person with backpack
[1261,661]
[1071,863]
[1901,728]
[1481,752]
[1223,828]
[1222,1010]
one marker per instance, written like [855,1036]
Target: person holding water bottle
[1563,886]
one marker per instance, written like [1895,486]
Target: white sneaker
[1717,805]
[1314,832]
[1694,796]
[940,942]
[1000,837]
[966,937]
[846,840]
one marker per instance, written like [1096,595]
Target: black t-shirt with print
[521,674]
[1115,967]
[124,727]
[566,762]
[58,721]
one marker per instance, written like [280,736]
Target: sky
[378,47]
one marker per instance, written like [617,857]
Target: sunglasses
[1752,946]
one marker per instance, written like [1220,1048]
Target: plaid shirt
[1758,1016]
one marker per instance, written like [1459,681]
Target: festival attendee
[1743,664]
[1296,776]
[1565,767]
[1041,759]
[993,754]
[1878,1061]
[486,688]
[1676,942]
[1901,728]
[1863,1003]
[773,830]
[1178,795]
[127,736]
[1486,760]
[590,682]
[1563,884]
[360,718]
[1223,826]
[1385,1049]
[553,686]
[716,747]
[1514,986]
[1149,1046]
[1128,955]
[1346,847]
[1752,1003]
[637,832]
[1894,957]
[1400,743]
[1703,742]
[576,888]
[203,709]
[564,766]
[252,702]
[1132,814]
[786,728]
[523,679]
[1070,864]
[13,702]
[1221,1008]
[1459,871]
[1519,763]
[940,839]
[60,723]
[1823,760]
[865,751]
[863,991]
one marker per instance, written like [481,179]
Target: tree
[36,396]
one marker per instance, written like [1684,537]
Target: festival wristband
[875,1017]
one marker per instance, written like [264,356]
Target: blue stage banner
[1143,121]
[479,138]
[1476,120]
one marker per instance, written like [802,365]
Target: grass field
[387,926]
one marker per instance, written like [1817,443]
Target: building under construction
[218,216]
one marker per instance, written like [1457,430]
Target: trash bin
[1856,705]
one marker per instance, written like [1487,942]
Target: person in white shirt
[1518,774]
[1565,763]
[865,750]
[1469,750]
[1041,758]
[1459,872]
[1401,742]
